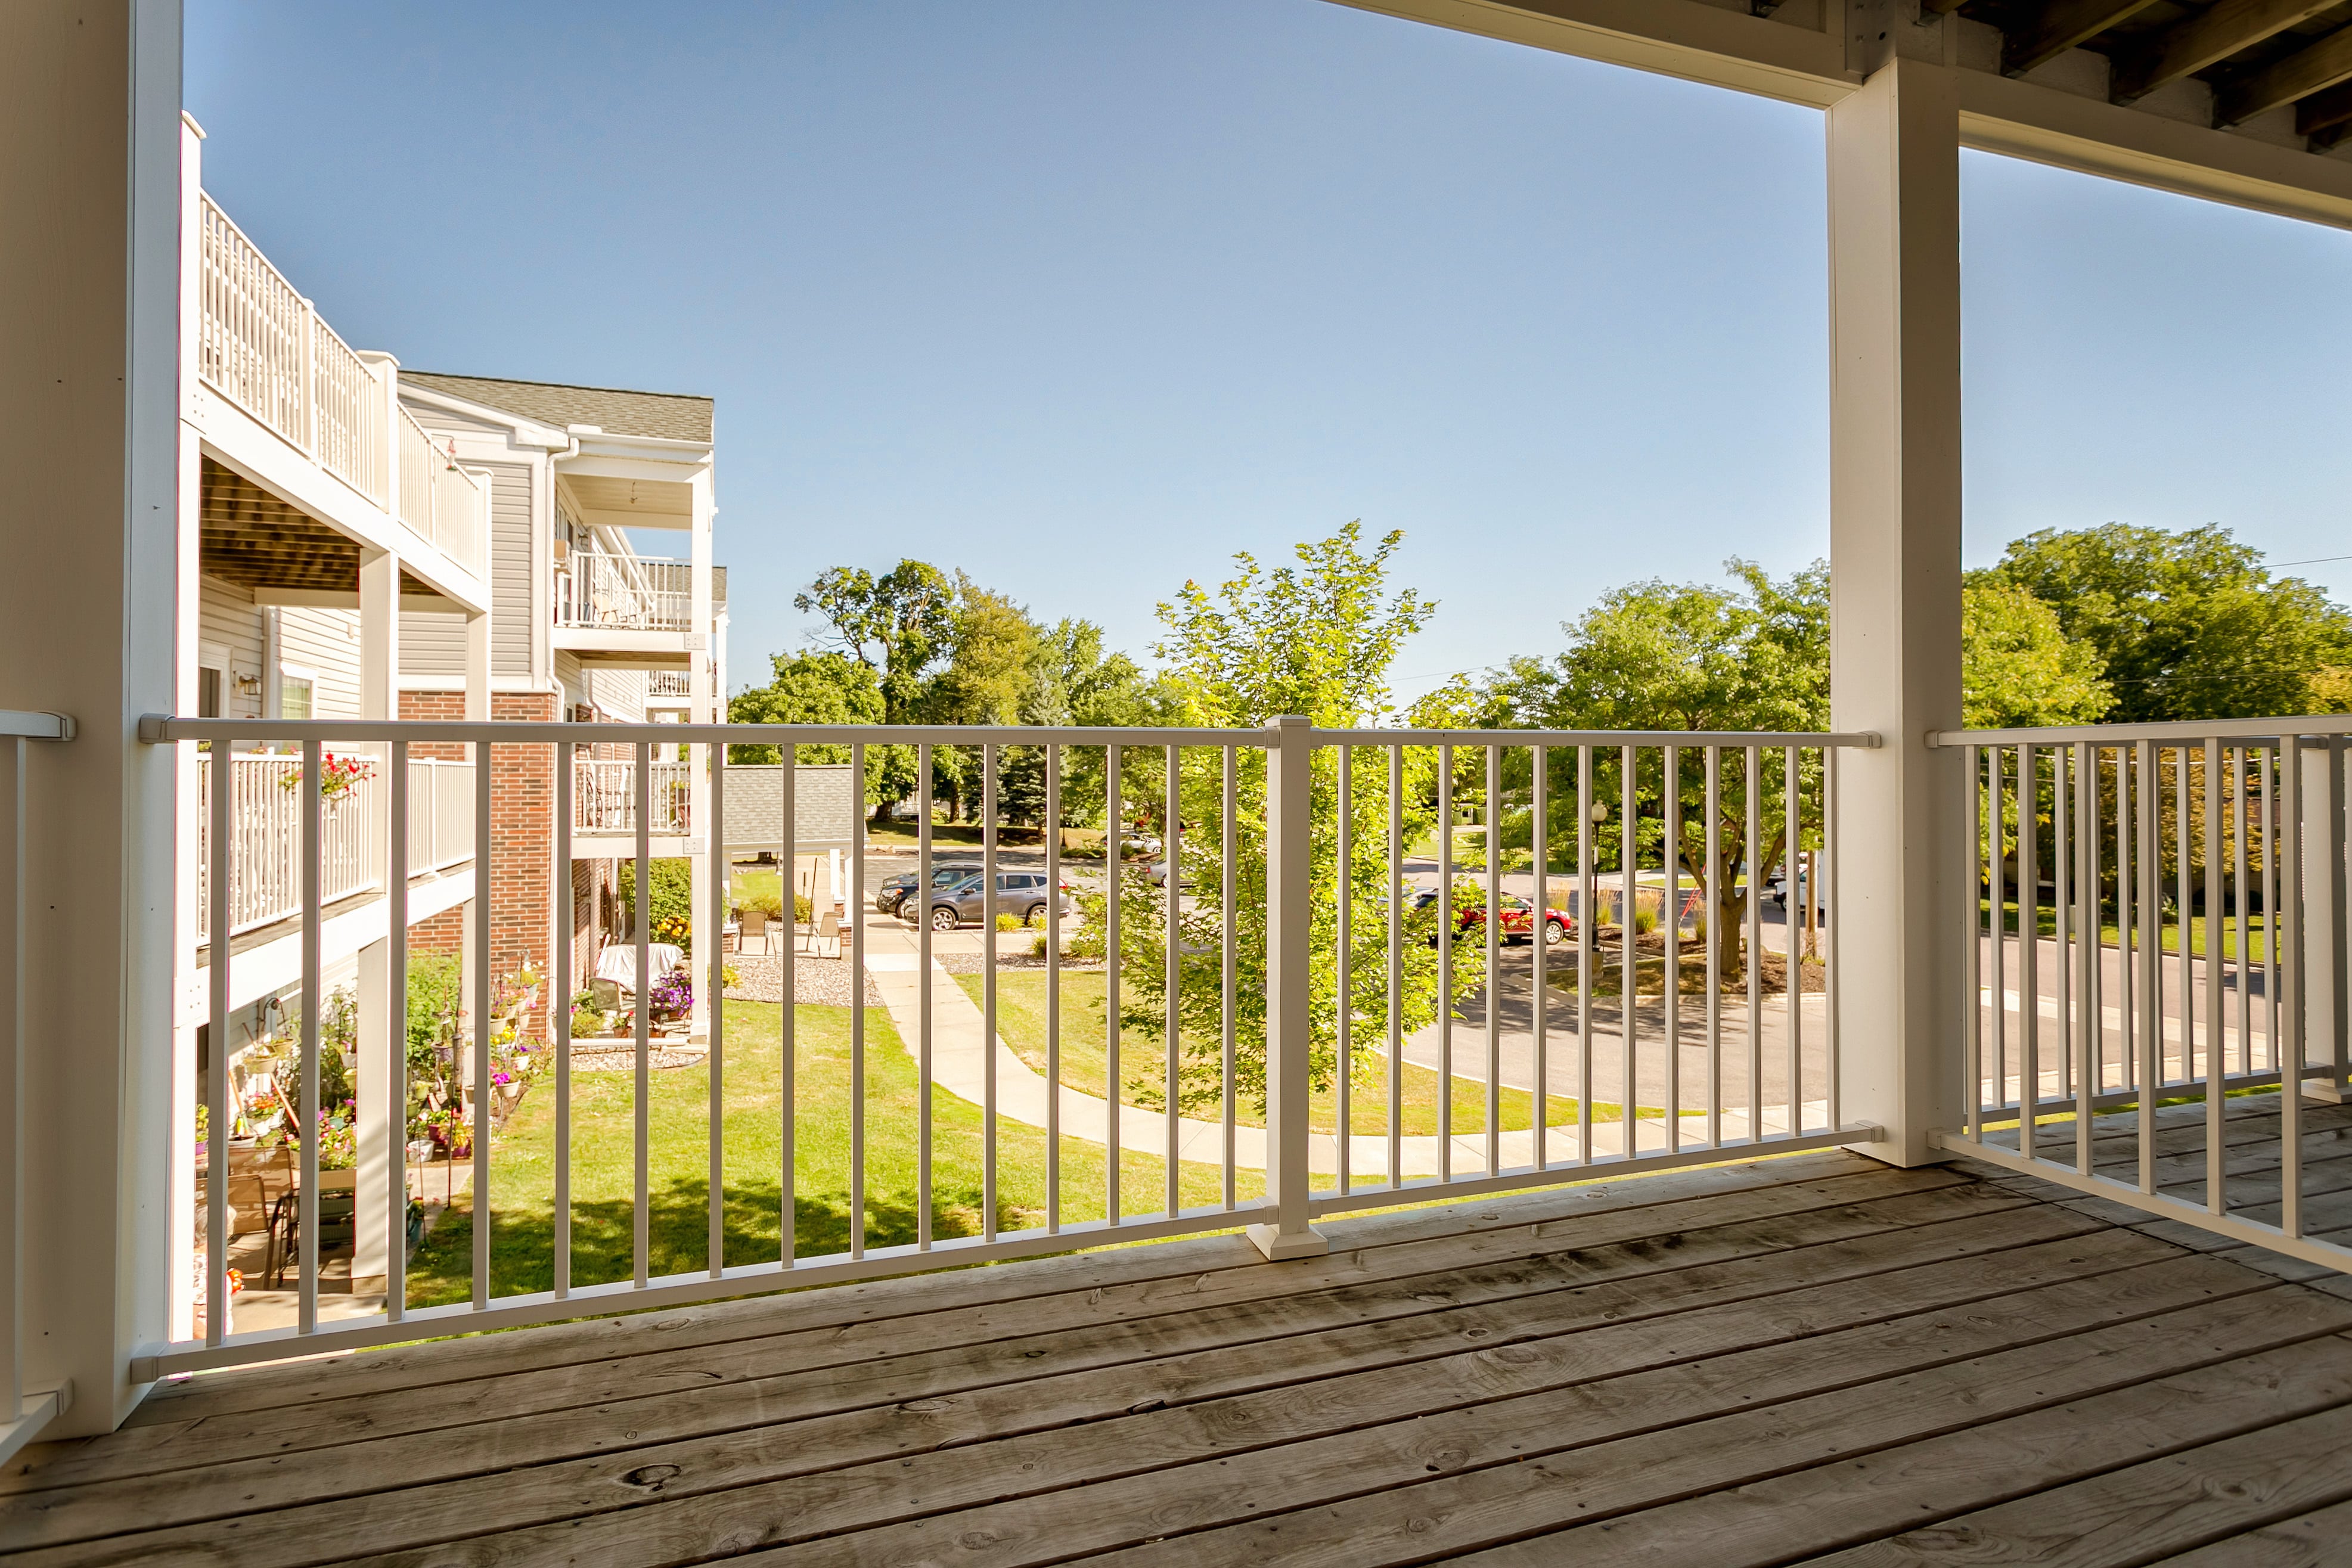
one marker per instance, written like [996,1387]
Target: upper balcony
[315,426]
[614,606]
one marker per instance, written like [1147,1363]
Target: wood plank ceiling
[254,540]
[2257,55]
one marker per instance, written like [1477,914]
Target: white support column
[188,985]
[700,642]
[1895,554]
[90,401]
[478,668]
[382,1124]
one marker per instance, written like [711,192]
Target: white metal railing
[605,796]
[440,815]
[347,419]
[668,683]
[624,593]
[438,499]
[254,343]
[266,816]
[22,1416]
[2156,915]
[261,345]
[1285,1016]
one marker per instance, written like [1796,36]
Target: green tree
[897,624]
[824,688]
[991,667]
[2018,667]
[1079,684]
[1682,656]
[1318,639]
[2186,625]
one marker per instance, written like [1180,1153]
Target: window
[208,693]
[293,697]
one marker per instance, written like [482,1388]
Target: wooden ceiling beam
[2205,39]
[2323,114]
[1940,7]
[2298,76]
[2058,26]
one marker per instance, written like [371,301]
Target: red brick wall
[517,896]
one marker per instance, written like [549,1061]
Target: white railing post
[1289,819]
[2326,994]
[309,370]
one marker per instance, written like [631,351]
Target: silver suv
[1021,892]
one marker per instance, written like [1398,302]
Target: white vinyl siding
[512,555]
[227,617]
[325,645]
[433,645]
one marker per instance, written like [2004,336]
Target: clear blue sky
[1084,296]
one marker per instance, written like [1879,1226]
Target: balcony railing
[261,345]
[676,684]
[2156,913]
[439,500]
[1293,946]
[265,818]
[607,591]
[605,796]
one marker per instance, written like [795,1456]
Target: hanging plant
[338,776]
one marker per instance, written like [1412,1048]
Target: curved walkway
[961,1049]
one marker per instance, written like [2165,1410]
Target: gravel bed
[626,1059]
[973,964]
[817,982]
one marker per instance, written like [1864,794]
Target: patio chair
[338,1222]
[755,927]
[827,929]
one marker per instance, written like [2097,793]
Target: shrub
[804,912]
[672,897]
[1008,921]
[1644,922]
[585,1022]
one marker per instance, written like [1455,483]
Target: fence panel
[1242,999]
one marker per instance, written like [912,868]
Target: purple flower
[501,1078]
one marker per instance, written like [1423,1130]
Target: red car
[1519,917]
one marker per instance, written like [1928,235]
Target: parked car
[1777,886]
[1517,915]
[893,889]
[1021,892]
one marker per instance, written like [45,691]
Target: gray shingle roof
[823,798]
[669,416]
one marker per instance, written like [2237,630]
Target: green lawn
[2257,930]
[522,1185]
[1020,1020]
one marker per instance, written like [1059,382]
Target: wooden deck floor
[1790,1360]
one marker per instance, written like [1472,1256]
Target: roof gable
[665,416]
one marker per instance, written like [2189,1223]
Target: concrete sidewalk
[962,1059]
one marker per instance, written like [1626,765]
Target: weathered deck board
[1814,1358]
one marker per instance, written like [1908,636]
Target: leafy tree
[1316,639]
[992,659]
[2186,625]
[2018,667]
[824,688]
[897,624]
[1663,656]
[1078,684]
